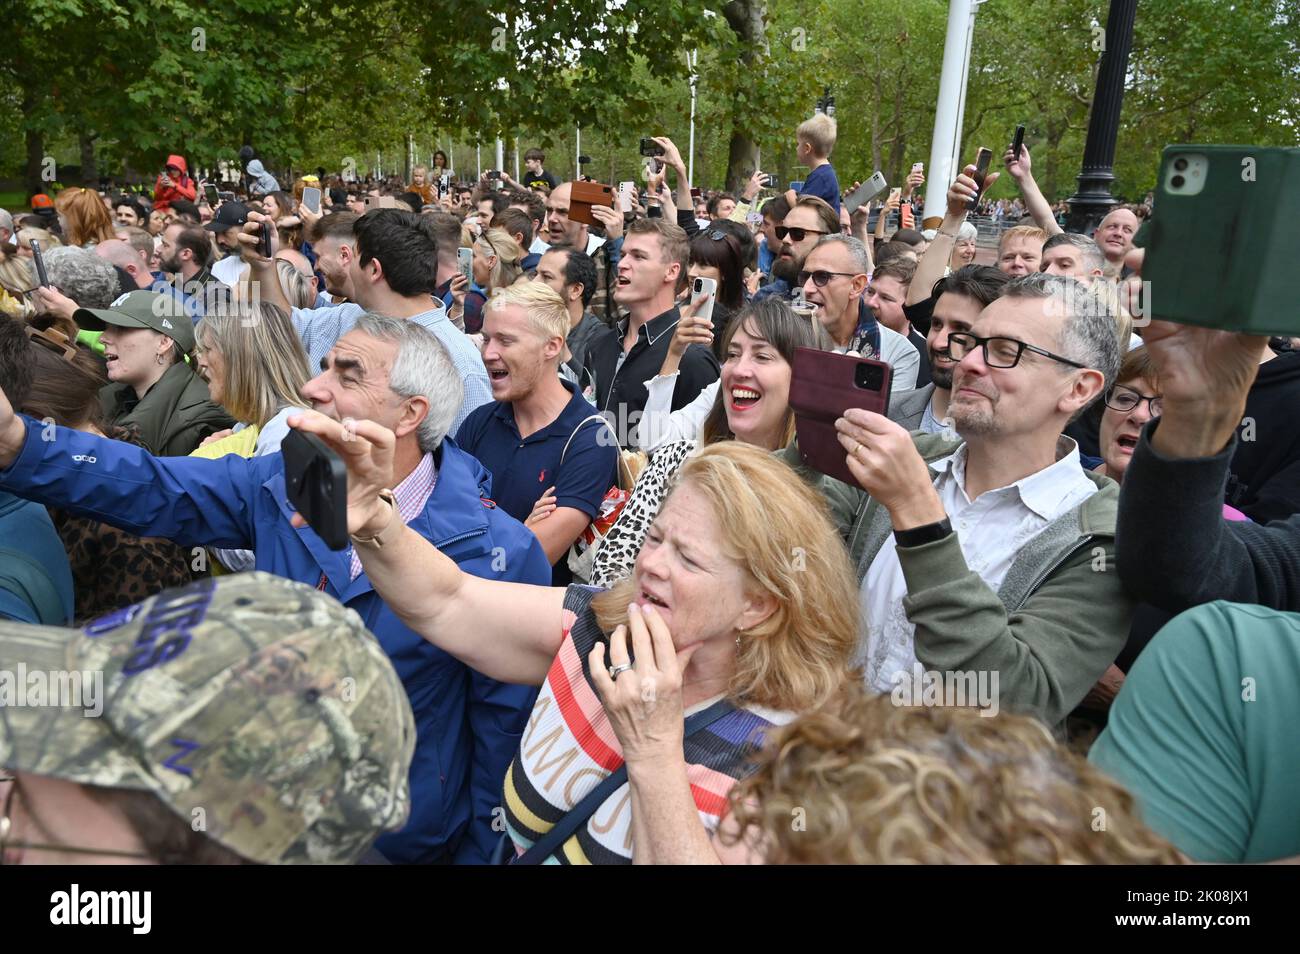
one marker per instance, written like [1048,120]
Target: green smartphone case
[1228,257]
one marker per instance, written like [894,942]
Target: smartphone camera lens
[1177,182]
[699,286]
[1180,164]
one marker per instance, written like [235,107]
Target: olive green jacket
[174,415]
[1058,621]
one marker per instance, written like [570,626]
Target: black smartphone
[650,148]
[42,278]
[317,483]
[264,246]
[210,193]
[494,173]
[1019,141]
[982,159]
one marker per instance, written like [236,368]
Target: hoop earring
[160,358]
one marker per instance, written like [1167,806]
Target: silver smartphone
[465,262]
[700,287]
[866,192]
[311,199]
[626,197]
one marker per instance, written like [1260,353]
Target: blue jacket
[468,727]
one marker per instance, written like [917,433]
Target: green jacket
[1058,621]
[174,415]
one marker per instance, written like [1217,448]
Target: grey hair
[1089,250]
[422,368]
[81,275]
[861,260]
[6,220]
[1088,334]
[968,232]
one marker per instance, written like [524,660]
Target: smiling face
[334,259]
[963,253]
[126,215]
[131,355]
[755,389]
[702,594]
[516,356]
[1011,402]
[1115,234]
[1120,429]
[353,383]
[951,313]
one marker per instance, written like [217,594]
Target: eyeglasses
[821,278]
[999,352]
[796,234]
[1122,398]
[6,829]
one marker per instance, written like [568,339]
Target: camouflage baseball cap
[258,705]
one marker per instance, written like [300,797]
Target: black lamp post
[1089,205]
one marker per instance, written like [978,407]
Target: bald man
[1115,237]
[120,253]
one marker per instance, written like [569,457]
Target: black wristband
[927,533]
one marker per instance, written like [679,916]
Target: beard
[787,269]
[973,418]
[942,377]
[169,265]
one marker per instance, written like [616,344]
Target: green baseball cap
[142,309]
[258,705]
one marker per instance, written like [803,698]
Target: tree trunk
[89,165]
[35,160]
[745,17]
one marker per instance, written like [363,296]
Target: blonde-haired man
[538,437]
[816,139]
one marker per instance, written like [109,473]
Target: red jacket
[183,188]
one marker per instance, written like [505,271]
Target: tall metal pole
[1089,205]
[691,59]
[478,160]
[501,155]
[945,144]
[577,151]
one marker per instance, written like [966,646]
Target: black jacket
[1264,478]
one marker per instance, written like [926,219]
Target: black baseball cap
[229,215]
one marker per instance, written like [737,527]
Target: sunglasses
[821,278]
[796,234]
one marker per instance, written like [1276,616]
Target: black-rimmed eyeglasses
[999,352]
[1124,398]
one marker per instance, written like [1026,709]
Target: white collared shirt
[991,530]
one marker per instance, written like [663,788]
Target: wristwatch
[385,536]
[926,533]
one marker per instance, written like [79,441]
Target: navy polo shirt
[523,468]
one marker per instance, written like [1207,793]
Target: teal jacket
[1058,621]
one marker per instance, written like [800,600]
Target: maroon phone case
[823,385]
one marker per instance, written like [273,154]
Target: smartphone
[1018,141]
[1216,249]
[865,192]
[586,194]
[626,197]
[226,196]
[823,385]
[982,159]
[42,277]
[701,287]
[696,193]
[264,246]
[211,194]
[918,167]
[465,262]
[311,198]
[769,181]
[494,173]
[651,148]
[317,484]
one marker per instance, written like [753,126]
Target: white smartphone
[866,192]
[626,197]
[918,167]
[311,198]
[699,288]
[465,262]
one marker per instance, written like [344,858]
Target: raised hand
[367,451]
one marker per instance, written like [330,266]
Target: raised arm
[262,270]
[507,631]
[935,260]
[1037,205]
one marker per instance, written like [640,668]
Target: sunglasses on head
[796,234]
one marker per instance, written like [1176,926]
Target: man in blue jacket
[394,372]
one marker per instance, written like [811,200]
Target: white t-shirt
[230,269]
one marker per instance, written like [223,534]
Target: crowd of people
[597,604]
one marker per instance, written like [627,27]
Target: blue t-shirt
[823,183]
[523,468]
[35,579]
